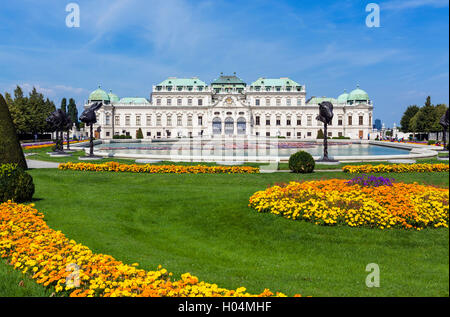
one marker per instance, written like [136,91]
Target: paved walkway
[41,164]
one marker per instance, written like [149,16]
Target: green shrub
[320,134]
[345,138]
[301,162]
[139,134]
[122,137]
[15,184]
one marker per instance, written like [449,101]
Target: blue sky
[130,45]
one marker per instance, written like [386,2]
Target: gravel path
[41,164]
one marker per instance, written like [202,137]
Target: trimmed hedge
[15,184]
[301,162]
[10,148]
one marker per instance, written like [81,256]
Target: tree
[407,116]
[139,134]
[64,105]
[18,110]
[10,148]
[320,134]
[73,112]
[424,118]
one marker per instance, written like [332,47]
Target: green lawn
[201,224]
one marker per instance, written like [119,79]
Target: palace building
[189,107]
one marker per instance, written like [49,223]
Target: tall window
[267,120]
[169,120]
[288,101]
[257,120]
[169,101]
[299,102]
[340,120]
[309,121]
[257,102]
[299,122]
[108,119]
[149,121]
[158,102]
[278,102]
[288,121]
[278,120]
[179,102]
[268,102]
[117,120]
[189,122]
[158,120]
[189,102]
[200,120]
[179,120]
[200,102]
[127,120]
[138,120]
[361,120]
[350,119]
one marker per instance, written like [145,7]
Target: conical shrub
[10,148]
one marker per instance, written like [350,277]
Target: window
[200,102]
[149,134]
[117,120]
[278,88]
[138,120]
[149,121]
[179,121]
[179,102]
[309,121]
[180,88]
[288,134]
[108,120]
[200,120]
[268,89]
[361,120]
[127,120]
[257,120]
[267,120]
[268,102]
[299,102]
[189,122]
[169,101]
[340,134]
[107,133]
[308,134]
[189,102]
[299,134]
[288,101]
[158,102]
[267,133]
[169,88]
[169,120]
[340,121]
[350,119]
[158,120]
[200,88]
[288,121]
[330,134]
[257,102]
[278,102]
[299,122]
[278,121]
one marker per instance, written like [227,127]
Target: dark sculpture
[58,122]
[325,116]
[89,118]
[444,122]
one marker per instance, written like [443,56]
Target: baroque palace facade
[188,107]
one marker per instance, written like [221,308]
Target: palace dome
[343,97]
[99,95]
[358,95]
[113,97]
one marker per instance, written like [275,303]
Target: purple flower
[370,181]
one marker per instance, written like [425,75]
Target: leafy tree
[407,116]
[10,148]
[64,105]
[73,112]
[439,111]
[320,134]
[139,134]
[423,120]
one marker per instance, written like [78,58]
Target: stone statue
[90,118]
[325,116]
[58,122]
[444,122]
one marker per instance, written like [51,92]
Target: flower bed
[50,258]
[158,169]
[336,202]
[40,146]
[396,168]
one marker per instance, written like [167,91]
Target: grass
[201,224]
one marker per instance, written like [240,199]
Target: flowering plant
[366,180]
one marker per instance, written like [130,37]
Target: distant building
[377,125]
[271,107]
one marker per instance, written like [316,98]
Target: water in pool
[244,148]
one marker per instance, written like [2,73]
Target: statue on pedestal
[325,116]
[58,122]
[89,118]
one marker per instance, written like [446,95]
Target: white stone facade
[190,111]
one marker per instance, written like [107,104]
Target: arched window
[229,126]
[241,126]
[217,126]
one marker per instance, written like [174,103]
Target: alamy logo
[373,278]
[73,18]
[373,18]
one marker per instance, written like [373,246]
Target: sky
[128,46]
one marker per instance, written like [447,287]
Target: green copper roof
[228,80]
[112,97]
[343,97]
[275,82]
[358,95]
[317,100]
[134,101]
[98,95]
[173,81]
